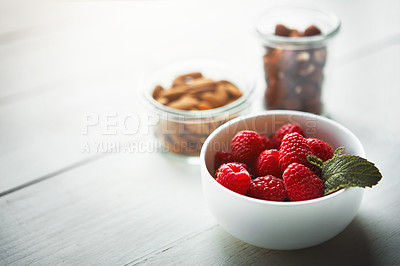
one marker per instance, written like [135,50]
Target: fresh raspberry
[267,188]
[301,183]
[244,165]
[222,157]
[267,143]
[321,149]
[241,164]
[234,177]
[283,130]
[267,163]
[294,149]
[246,146]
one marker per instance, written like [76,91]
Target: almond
[157,90]
[163,100]
[173,93]
[201,86]
[204,105]
[312,30]
[184,103]
[281,30]
[221,94]
[295,33]
[186,78]
[231,89]
[211,98]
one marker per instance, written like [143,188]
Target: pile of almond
[194,92]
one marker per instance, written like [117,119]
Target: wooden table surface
[69,197]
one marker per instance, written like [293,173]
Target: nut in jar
[191,105]
[294,78]
[186,137]
[295,56]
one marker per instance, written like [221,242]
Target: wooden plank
[123,209]
[44,134]
[17,15]
[354,246]
[363,96]
[108,212]
[359,38]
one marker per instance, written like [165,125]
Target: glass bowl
[183,132]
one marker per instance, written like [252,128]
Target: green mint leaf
[315,161]
[343,171]
[338,151]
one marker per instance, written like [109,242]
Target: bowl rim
[203,166]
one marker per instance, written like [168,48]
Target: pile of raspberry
[273,168]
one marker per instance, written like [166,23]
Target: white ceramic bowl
[280,225]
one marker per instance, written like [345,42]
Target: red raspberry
[301,183]
[294,149]
[244,165]
[234,177]
[321,149]
[267,188]
[267,143]
[283,130]
[246,146]
[267,163]
[222,157]
[241,164]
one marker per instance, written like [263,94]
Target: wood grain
[43,134]
[61,62]
[216,247]
[107,212]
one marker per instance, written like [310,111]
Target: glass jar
[294,66]
[183,132]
